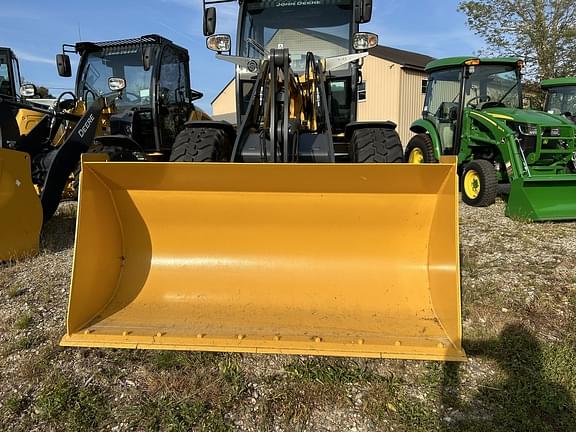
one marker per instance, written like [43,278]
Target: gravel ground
[519,309]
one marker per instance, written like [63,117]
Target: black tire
[485,174]
[422,142]
[115,154]
[202,145]
[375,145]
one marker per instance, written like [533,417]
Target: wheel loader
[473,110]
[132,97]
[297,232]
[560,96]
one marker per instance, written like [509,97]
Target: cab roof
[82,47]
[452,62]
[558,82]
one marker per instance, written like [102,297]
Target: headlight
[364,41]
[555,132]
[528,129]
[219,43]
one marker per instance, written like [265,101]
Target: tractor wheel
[202,145]
[420,150]
[376,145]
[479,184]
[115,154]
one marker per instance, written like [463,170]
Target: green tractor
[473,110]
[560,96]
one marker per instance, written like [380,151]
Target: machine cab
[326,28]
[157,99]
[9,73]
[560,96]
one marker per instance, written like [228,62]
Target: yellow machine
[314,240]
[20,211]
[134,120]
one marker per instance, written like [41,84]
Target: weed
[70,406]
[23,321]
[331,371]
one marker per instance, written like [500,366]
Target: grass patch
[25,342]
[71,407]
[24,321]
[14,291]
[16,405]
[331,371]
[168,413]
[233,376]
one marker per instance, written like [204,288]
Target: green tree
[543,32]
[44,93]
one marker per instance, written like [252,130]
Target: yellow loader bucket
[343,260]
[20,208]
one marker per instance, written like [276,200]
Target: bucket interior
[308,259]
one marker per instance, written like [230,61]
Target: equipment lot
[519,317]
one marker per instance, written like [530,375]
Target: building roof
[559,82]
[451,62]
[408,59]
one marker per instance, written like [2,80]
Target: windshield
[5,84]
[561,100]
[494,86]
[323,27]
[123,62]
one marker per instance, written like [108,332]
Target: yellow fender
[20,208]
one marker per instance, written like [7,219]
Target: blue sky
[36,30]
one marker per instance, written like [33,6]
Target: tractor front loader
[473,110]
[302,236]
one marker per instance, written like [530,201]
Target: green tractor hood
[527,116]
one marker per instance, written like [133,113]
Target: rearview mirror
[209,21]
[147,58]
[28,90]
[366,11]
[116,84]
[363,11]
[63,63]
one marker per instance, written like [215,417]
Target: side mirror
[28,90]
[219,43]
[210,21]
[116,84]
[63,63]
[366,11]
[147,58]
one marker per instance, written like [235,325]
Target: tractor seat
[444,110]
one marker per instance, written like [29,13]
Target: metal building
[394,89]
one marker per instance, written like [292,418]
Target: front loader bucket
[343,260]
[20,209]
[541,198]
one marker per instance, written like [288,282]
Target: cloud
[33,58]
